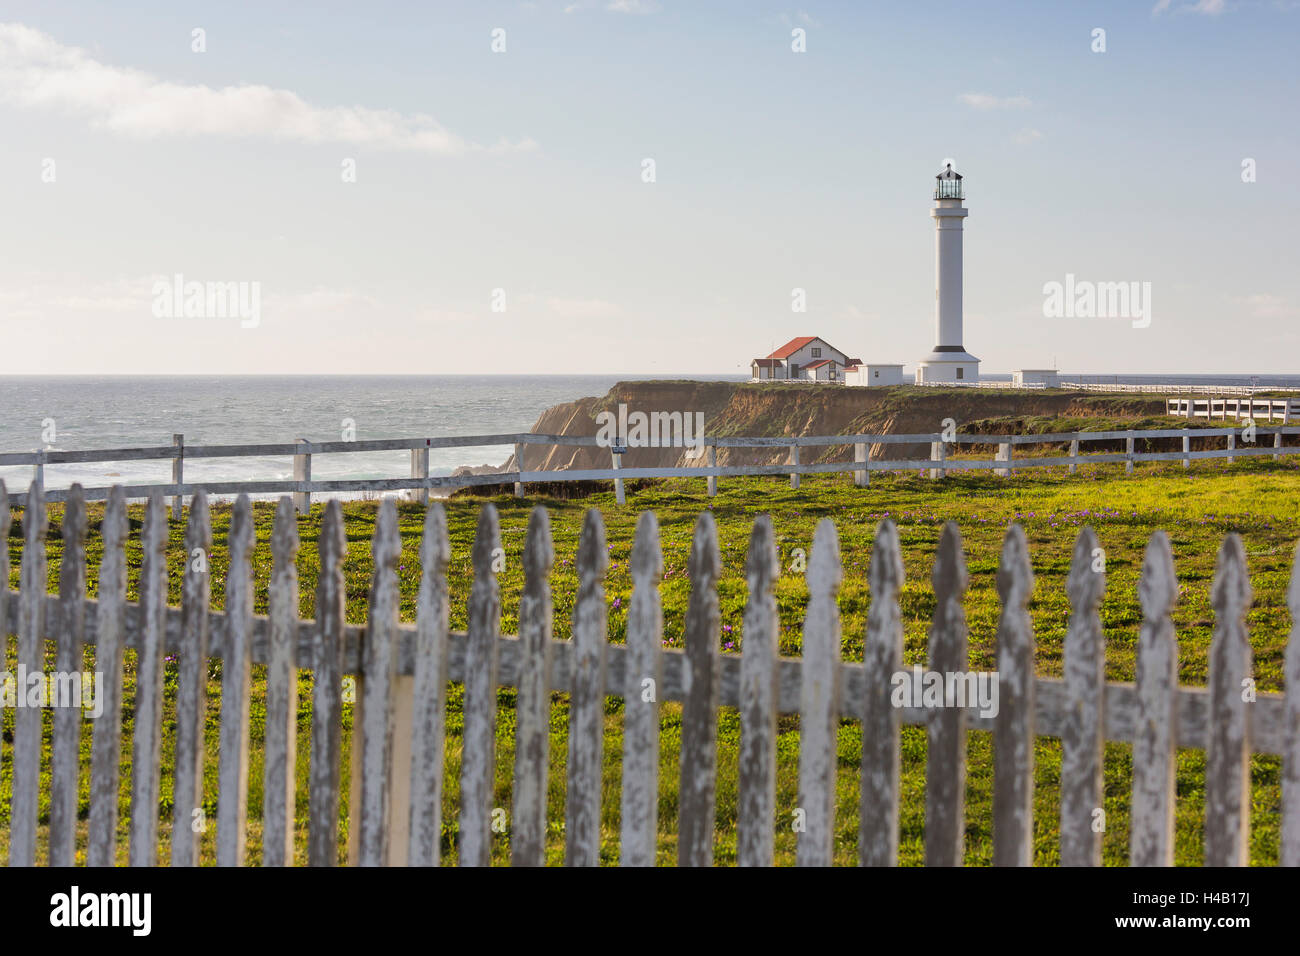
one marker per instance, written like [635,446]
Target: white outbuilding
[1034,377]
[874,373]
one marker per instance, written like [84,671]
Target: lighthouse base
[948,368]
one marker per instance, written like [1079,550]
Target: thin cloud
[634,6]
[1027,136]
[1209,8]
[37,72]
[987,101]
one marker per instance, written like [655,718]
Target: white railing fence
[419,483]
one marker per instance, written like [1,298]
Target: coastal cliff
[780,409]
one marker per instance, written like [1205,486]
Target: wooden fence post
[110,640]
[587,701]
[430,691]
[756,800]
[420,469]
[1227,752]
[713,463]
[281,741]
[938,452]
[1083,732]
[378,813]
[38,470]
[69,633]
[327,691]
[1074,456]
[302,472]
[882,657]
[192,685]
[1187,448]
[794,460]
[1128,453]
[819,700]
[1232,443]
[945,768]
[519,467]
[478,763]
[1290,854]
[645,625]
[533,704]
[862,476]
[1004,454]
[616,459]
[178,474]
[236,686]
[699,757]
[1151,824]
[1013,734]
[147,743]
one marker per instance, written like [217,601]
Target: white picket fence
[419,484]
[402,672]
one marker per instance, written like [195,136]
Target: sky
[404,198]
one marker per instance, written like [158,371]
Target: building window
[876,374]
[961,372]
[816,353]
[832,375]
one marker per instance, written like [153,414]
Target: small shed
[874,373]
[1036,377]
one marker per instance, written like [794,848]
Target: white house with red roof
[808,358]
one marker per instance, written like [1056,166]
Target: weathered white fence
[1285,410]
[402,671]
[420,483]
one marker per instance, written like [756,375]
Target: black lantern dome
[947,185]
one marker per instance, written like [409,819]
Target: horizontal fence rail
[401,672]
[420,483]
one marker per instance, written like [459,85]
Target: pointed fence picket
[403,670]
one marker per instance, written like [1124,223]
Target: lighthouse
[949,362]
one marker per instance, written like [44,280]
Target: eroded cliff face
[776,410]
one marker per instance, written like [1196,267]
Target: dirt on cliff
[774,410]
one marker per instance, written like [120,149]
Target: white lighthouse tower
[949,362]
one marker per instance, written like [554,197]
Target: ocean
[126,412]
[86,412]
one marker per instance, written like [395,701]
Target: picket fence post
[188,816]
[478,761]
[1227,752]
[533,703]
[430,692]
[1083,730]
[587,701]
[1013,734]
[281,746]
[69,632]
[645,625]
[756,800]
[110,641]
[882,657]
[819,701]
[699,757]
[327,692]
[236,688]
[1151,814]
[945,770]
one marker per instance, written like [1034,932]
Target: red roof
[794,345]
[820,363]
[767,363]
[849,363]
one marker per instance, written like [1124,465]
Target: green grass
[1259,499]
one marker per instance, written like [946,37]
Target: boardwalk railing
[1268,441]
[402,671]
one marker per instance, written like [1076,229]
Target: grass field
[1259,499]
